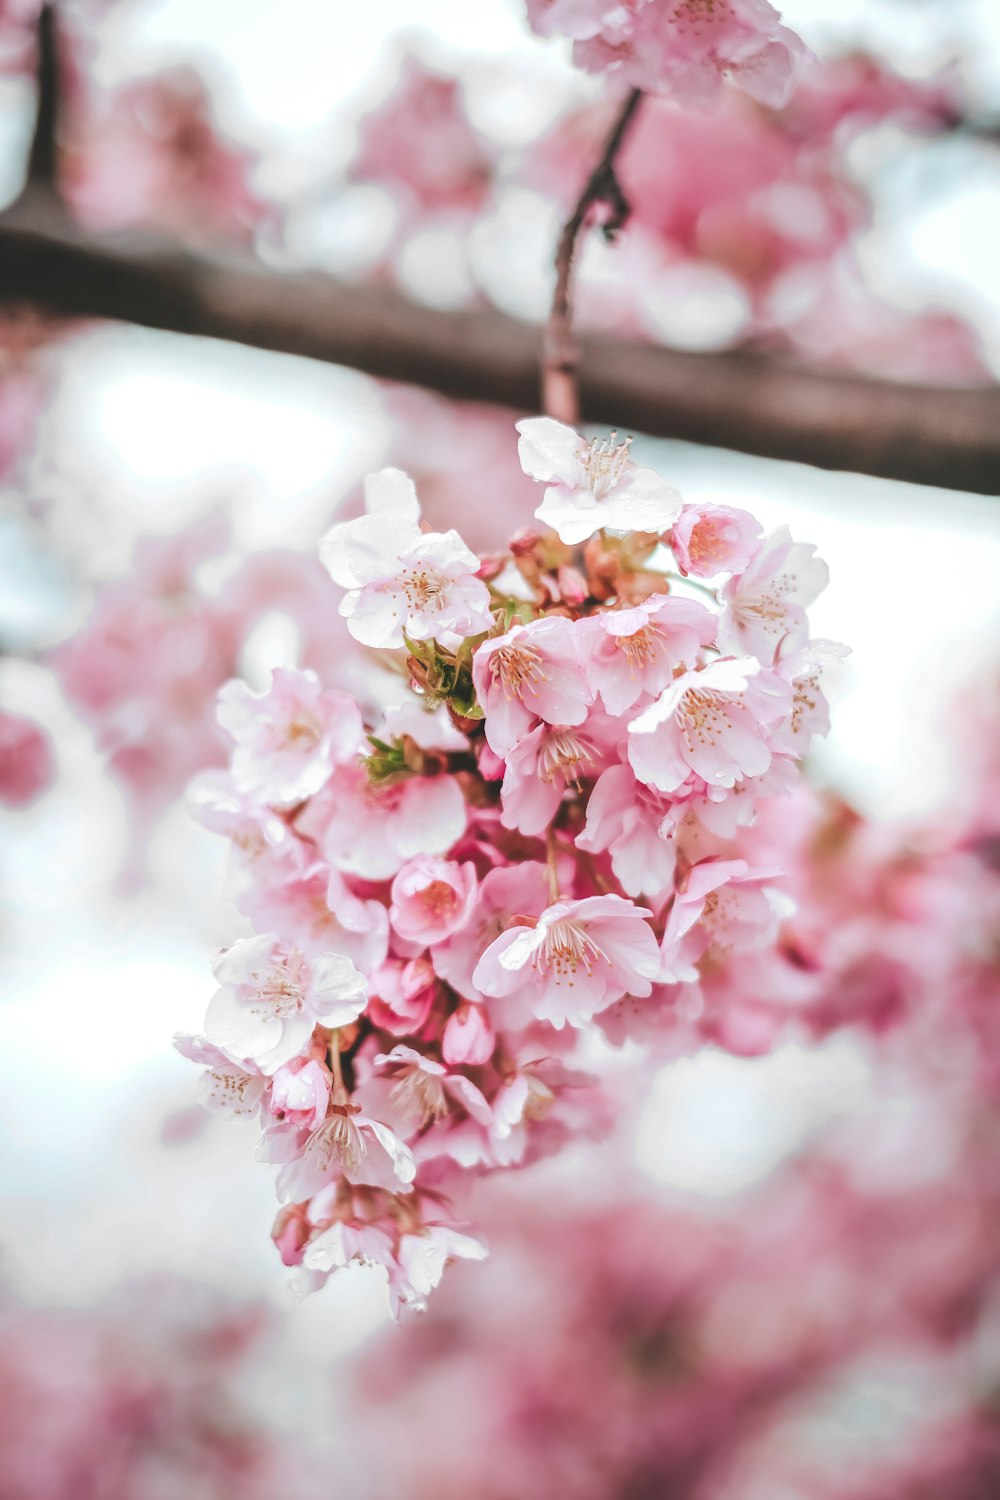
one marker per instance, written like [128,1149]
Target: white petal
[548,449]
[390,492]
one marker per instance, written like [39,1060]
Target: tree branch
[755,405]
[561,356]
[43,152]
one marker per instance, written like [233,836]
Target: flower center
[698,16]
[339,1140]
[421,1094]
[604,463]
[424,588]
[566,754]
[703,715]
[568,945]
[439,899]
[513,666]
[278,993]
[301,732]
[641,647]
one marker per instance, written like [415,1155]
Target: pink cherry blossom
[318,914]
[532,672]
[635,651]
[432,899]
[402,994]
[542,767]
[262,845]
[422,1093]
[714,721]
[591,485]
[300,1092]
[580,957]
[421,1260]
[767,603]
[400,580]
[711,539]
[271,998]
[627,820]
[682,49]
[720,908]
[352,1144]
[289,738]
[27,762]
[503,895]
[371,831]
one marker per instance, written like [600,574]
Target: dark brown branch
[560,394]
[44,141]
[755,405]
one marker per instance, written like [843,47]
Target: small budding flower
[432,899]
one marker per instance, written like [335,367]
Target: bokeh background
[161,497]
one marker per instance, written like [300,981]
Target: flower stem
[550,860]
[560,393]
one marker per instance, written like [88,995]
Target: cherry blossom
[577,959]
[402,581]
[592,485]
[289,738]
[683,48]
[271,999]
[766,604]
[711,539]
[431,899]
[714,721]
[635,651]
[531,672]
[445,881]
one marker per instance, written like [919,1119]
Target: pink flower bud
[291,1233]
[468,1036]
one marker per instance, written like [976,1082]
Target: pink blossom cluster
[144,667]
[152,153]
[151,1394]
[619,1346]
[682,48]
[545,833]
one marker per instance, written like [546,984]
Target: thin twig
[560,393]
[42,155]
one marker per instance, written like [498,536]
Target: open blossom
[320,914]
[271,999]
[532,672]
[592,485]
[431,899]
[635,651]
[352,1144]
[721,907]
[506,892]
[767,603]
[714,721]
[627,820]
[542,767]
[422,1257]
[402,581]
[711,539]
[578,958]
[289,738]
[683,48]
[371,831]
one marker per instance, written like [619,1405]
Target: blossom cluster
[545,833]
[683,48]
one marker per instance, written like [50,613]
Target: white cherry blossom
[592,485]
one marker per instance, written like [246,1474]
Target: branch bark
[755,405]
[44,141]
[561,355]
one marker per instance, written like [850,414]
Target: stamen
[604,462]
